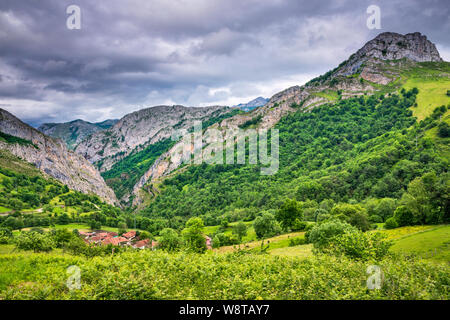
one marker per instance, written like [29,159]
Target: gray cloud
[148,52]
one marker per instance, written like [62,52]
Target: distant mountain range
[255,103]
[73,132]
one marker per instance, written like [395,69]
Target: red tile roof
[142,243]
[114,241]
[129,234]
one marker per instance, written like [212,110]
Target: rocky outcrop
[52,157]
[138,129]
[73,132]
[392,46]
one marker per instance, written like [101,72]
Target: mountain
[141,128]
[73,132]
[380,66]
[52,157]
[255,103]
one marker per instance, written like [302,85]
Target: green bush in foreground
[161,275]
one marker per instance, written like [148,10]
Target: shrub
[359,245]
[297,241]
[34,241]
[403,216]
[391,223]
[321,234]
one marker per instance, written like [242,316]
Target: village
[128,239]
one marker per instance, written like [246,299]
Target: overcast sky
[140,53]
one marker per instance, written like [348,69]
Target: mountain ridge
[372,71]
[73,132]
[52,157]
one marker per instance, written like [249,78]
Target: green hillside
[357,149]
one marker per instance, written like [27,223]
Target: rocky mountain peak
[393,46]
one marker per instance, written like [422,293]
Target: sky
[132,54]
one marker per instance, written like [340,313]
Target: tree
[403,216]
[353,214]
[288,213]
[95,225]
[193,237]
[5,235]
[169,240]
[145,235]
[385,208]
[240,230]
[266,226]
[444,130]
[63,219]
[61,237]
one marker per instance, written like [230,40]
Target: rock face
[374,62]
[52,157]
[393,46]
[141,128]
[73,132]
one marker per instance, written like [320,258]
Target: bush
[321,234]
[403,216]
[34,241]
[297,241]
[359,245]
[391,223]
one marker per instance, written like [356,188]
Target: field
[432,90]
[431,244]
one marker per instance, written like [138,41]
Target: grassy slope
[433,81]
[431,244]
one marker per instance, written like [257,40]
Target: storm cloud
[139,53]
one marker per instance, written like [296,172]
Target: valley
[363,180]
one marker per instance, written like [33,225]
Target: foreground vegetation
[159,275]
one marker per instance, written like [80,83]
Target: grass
[302,251]
[398,233]
[429,244]
[432,92]
[251,235]
[272,242]
[3,209]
